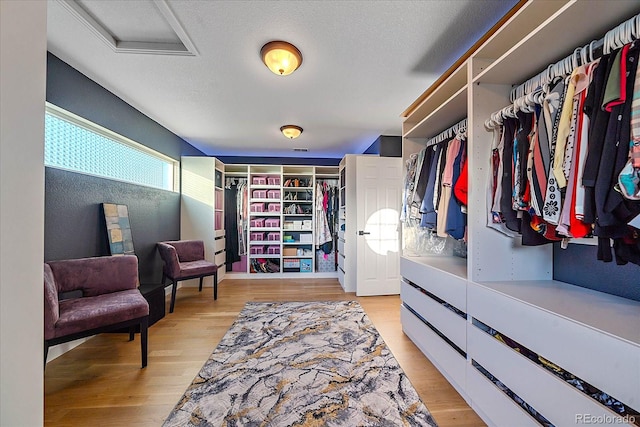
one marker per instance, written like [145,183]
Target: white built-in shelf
[452,84]
[265,214]
[533,52]
[442,117]
[264,229]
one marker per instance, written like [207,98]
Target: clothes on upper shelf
[435,188]
[564,163]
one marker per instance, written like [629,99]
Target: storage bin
[305,265]
[306,224]
[257,207]
[273,237]
[272,222]
[273,194]
[256,236]
[274,207]
[297,224]
[273,250]
[287,225]
[289,251]
[306,238]
[291,263]
[325,262]
[256,250]
[257,222]
[259,180]
[273,180]
[259,194]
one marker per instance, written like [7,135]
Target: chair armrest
[51,307]
[169,256]
[97,275]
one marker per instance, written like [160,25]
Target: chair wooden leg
[144,335]
[132,332]
[173,295]
[164,278]
[200,289]
[215,286]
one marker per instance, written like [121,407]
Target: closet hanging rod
[459,127]
[626,32]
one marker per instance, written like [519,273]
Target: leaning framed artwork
[118,229]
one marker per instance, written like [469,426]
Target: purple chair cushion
[82,314]
[97,275]
[196,268]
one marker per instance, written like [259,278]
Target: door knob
[362,233]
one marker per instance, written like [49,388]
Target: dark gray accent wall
[579,265]
[74,224]
[74,227]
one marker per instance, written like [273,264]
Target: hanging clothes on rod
[560,148]
[433,184]
[235,219]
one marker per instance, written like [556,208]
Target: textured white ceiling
[364,63]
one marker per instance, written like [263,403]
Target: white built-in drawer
[340,246]
[220,258]
[527,379]
[453,326]
[341,276]
[448,361]
[219,244]
[607,362]
[443,284]
[341,261]
[493,406]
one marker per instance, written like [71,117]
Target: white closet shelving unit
[504,285]
[276,230]
[202,208]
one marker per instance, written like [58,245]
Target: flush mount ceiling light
[291,131]
[281,57]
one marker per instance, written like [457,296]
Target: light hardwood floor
[100,383]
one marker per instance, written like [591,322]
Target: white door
[378,196]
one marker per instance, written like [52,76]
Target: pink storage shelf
[256,236]
[257,207]
[272,222]
[273,180]
[259,194]
[273,194]
[259,180]
[273,237]
[257,222]
[257,250]
[274,207]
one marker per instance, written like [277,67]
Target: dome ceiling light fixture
[291,131]
[281,57]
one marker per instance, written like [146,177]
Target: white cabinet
[280,218]
[202,207]
[467,315]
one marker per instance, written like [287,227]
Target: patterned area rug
[301,364]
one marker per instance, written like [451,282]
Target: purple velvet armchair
[183,260]
[88,296]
